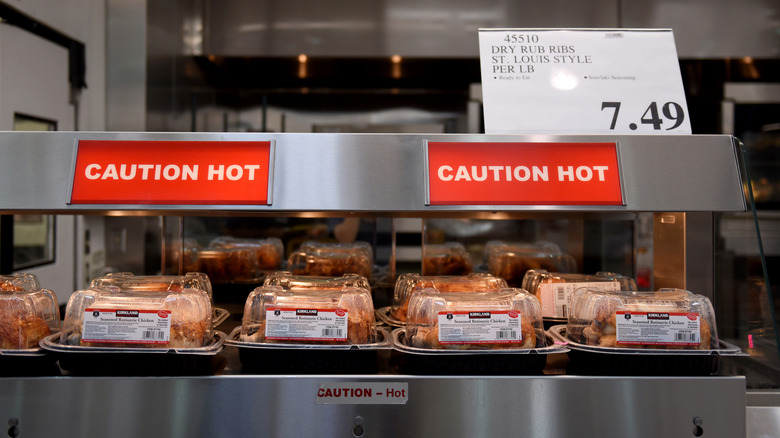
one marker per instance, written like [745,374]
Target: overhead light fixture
[302,60]
[396,62]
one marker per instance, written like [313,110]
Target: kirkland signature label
[658,328]
[126,326]
[308,324]
[479,327]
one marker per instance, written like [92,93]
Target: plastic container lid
[332,259]
[269,252]
[174,283]
[289,281]
[272,314]
[129,318]
[27,312]
[511,260]
[158,283]
[554,289]
[407,284]
[665,319]
[508,318]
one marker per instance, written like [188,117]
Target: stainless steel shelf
[286,406]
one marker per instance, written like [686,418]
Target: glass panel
[33,234]
[33,240]
[745,303]
[589,245]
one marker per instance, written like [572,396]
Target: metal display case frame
[682,180]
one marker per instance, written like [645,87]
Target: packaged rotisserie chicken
[449,258]
[228,259]
[111,316]
[511,260]
[554,289]
[127,281]
[268,253]
[332,259]
[27,312]
[308,316]
[407,284]
[507,319]
[664,319]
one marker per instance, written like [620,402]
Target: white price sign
[595,81]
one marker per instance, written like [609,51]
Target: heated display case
[677,194]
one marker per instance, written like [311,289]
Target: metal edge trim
[271,165]
[75,156]
[426,173]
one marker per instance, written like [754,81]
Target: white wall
[85,21]
[34,81]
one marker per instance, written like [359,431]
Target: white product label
[126,326]
[658,328]
[306,324]
[480,327]
[556,297]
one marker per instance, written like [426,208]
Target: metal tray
[381,335]
[384,314]
[594,360]
[27,362]
[218,316]
[119,361]
[279,358]
[549,321]
[505,361]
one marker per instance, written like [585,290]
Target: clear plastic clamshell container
[511,260]
[289,281]
[129,282]
[670,319]
[134,319]
[227,259]
[268,253]
[407,284]
[298,324]
[449,258]
[227,265]
[332,259]
[506,319]
[183,255]
[27,313]
[312,316]
[554,289]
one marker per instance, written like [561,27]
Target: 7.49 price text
[671,111]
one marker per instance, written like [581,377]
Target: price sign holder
[582,81]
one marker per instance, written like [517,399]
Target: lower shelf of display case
[374,406]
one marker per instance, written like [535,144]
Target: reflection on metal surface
[669,250]
[277,406]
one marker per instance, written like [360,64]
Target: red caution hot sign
[171,172]
[523,174]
